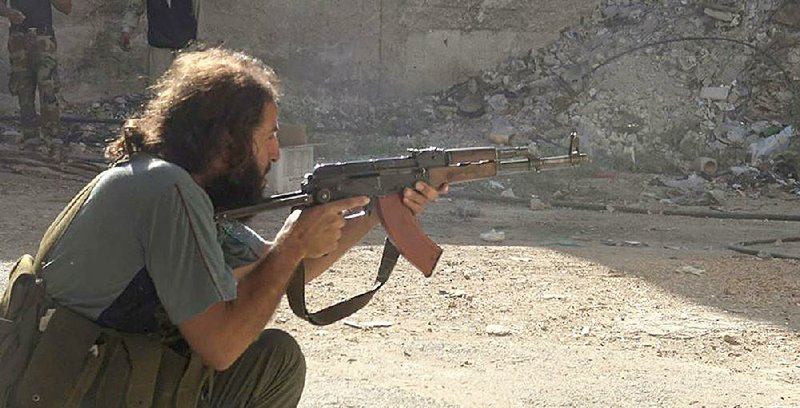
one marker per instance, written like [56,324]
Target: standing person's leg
[158,61]
[22,82]
[199,18]
[47,80]
[271,373]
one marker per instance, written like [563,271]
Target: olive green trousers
[271,373]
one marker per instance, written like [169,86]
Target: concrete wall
[388,47]
[429,45]
[366,47]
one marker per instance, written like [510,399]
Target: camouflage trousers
[34,66]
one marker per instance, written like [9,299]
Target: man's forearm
[260,292]
[236,323]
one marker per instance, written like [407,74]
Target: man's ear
[221,161]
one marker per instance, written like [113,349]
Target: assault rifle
[384,180]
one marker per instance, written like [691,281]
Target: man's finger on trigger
[422,187]
[409,192]
[429,192]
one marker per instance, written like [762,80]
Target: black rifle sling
[296,293]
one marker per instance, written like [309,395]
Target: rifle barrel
[293,199]
[520,165]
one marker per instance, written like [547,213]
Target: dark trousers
[271,373]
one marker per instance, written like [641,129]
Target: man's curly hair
[204,96]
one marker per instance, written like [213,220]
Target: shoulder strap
[296,294]
[62,221]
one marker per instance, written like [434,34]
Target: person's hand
[125,41]
[15,16]
[316,231]
[423,193]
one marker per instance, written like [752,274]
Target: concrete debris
[493,236]
[502,131]
[691,270]
[508,193]
[495,185]
[498,102]
[465,209]
[719,15]
[454,293]
[705,165]
[740,170]
[500,139]
[497,330]
[471,105]
[537,204]
[769,146]
[715,93]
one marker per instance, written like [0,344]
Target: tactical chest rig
[52,357]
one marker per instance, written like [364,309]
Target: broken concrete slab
[725,16]
[715,93]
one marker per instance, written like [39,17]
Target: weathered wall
[367,47]
[433,44]
[386,47]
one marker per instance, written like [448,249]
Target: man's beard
[236,188]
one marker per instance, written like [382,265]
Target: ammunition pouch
[20,310]
[51,356]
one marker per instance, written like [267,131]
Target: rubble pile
[116,109]
[92,123]
[649,85]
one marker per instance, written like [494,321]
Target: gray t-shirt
[150,216]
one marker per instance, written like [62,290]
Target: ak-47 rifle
[384,180]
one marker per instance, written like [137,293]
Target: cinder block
[287,173]
[292,134]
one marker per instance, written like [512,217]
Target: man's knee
[282,347]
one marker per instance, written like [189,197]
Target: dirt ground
[553,316]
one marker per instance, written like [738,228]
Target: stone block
[288,173]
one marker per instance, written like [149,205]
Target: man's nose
[276,152]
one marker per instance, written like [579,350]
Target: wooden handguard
[472,154]
[405,233]
[458,174]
